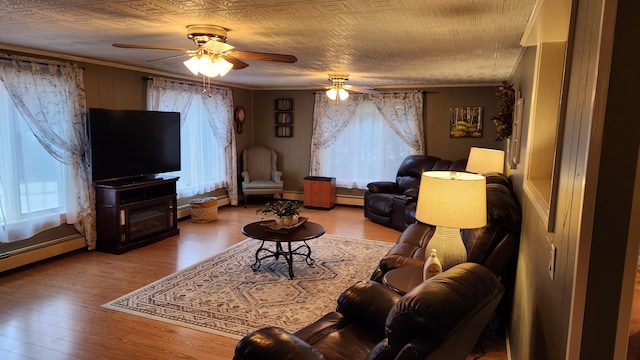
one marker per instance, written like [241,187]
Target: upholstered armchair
[442,318]
[259,173]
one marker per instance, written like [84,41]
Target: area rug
[222,295]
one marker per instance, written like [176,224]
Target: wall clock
[239,116]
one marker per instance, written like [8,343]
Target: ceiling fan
[338,88]
[212,56]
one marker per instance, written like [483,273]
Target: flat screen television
[133,144]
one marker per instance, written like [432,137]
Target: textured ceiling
[380,43]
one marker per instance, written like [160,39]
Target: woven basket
[204,209]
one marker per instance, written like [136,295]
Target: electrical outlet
[552,261]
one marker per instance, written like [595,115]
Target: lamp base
[449,245]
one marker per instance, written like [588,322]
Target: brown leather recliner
[494,245]
[441,318]
[393,204]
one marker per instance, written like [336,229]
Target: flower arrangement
[504,120]
[281,208]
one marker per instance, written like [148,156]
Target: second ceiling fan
[338,88]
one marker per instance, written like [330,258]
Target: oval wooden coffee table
[259,231]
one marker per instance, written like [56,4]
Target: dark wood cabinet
[132,214]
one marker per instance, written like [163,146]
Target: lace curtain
[170,95]
[50,97]
[401,111]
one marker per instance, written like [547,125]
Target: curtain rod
[187,82]
[184,82]
[56,62]
[396,92]
[174,81]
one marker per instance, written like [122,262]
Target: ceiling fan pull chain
[204,84]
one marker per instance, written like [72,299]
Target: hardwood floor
[51,309]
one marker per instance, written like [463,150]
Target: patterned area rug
[222,295]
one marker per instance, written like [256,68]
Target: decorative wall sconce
[239,117]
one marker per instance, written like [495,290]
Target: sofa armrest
[387,187]
[367,303]
[408,250]
[391,262]
[274,343]
[411,193]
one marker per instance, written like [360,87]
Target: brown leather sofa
[393,203]
[494,245]
[441,318]
[438,319]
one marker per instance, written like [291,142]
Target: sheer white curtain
[48,97]
[208,155]
[365,138]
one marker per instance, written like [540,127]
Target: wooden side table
[319,192]
[403,279]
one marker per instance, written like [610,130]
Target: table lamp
[483,161]
[451,201]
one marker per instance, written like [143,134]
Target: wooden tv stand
[131,214]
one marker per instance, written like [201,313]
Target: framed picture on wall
[284,104]
[284,117]
[284,131]
[514,140]
[465,122]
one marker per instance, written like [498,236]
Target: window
[367,150]
[207,144]
[202,157]
[32,182]
[365,138]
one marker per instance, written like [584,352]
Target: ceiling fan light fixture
[204,64]
[332,93]
[217,47]
[343,94]
[337,90]
[208,65]
[223,66]
[193,64]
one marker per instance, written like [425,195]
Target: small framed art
[284,117]
[513,148]
[284,131]
[284,104]
[465,122]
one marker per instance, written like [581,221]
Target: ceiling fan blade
[237,63]
[167,57]
[134,46]
[362,89]
[251,55]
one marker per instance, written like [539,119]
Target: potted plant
[286,212]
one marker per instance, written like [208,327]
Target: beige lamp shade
[452,199]
[483,161]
